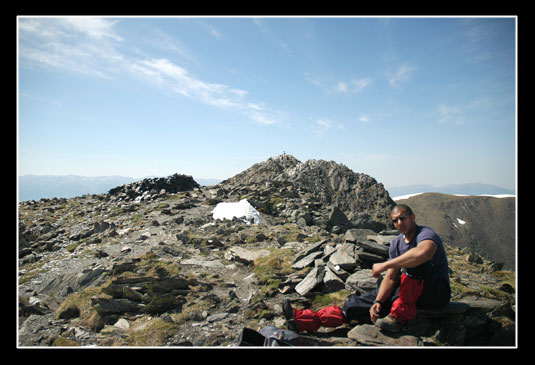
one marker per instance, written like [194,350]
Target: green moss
[274,266]
[336,298]
[60,341]
[154,265]
[72,247]
[80,303]
[506,276]
[155,333]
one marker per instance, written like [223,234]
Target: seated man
[419,255]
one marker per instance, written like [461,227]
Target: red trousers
[404,307]
[309,320]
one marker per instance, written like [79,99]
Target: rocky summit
[148,265]
[316,192]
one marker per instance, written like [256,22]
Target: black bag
[268,337]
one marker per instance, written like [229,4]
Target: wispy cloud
[400,75]
[179,80]
[341,87]
[354,85]
[483,36]
[79,44]
[361,84]
[364,118]
[314,80]
[211,30]
[450,114]
[93,47]
[268,33]
[464,113]
[321,126]
[94,27]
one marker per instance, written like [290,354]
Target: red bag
[306,320]
[309,320]
[331,316]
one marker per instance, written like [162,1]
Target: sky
[406,100]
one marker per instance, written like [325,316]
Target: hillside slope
[484,224]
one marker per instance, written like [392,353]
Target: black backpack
[268,336]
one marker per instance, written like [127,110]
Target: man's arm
[414,257]
[385,291]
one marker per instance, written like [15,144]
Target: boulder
[314,277]
[332,283]
[106,306]
[342,259]
[370,335]
[356,234]
[373,247]
[362,280]
[244,255]
[338,218]
[370,257]
[381,239]
[307,260]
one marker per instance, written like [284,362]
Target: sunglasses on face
[401,217]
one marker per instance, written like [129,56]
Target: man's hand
[374,311]
[379,268]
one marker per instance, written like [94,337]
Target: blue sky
[406,100]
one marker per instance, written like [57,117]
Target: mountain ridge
[464,188]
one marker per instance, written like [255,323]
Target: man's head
[403,219]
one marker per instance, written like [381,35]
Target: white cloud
[364,118]
[481,37]
[355,86]
[400,75]
[211,30]
[361,84]
[81,44]
[179,80]
[341,87]
[313,80]
[463,113]
[321,126]
[450,114]
[268,33]
[91,46]
[262,118]
[93,27]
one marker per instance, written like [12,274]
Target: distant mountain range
[35,187]
[464,189]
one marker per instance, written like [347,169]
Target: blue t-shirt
[439,261]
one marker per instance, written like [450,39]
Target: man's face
[403,222]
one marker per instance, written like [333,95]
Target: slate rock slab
[370,335]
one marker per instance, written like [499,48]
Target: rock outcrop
[148,189]
[147,265]
[318,192]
